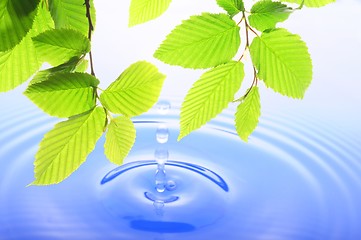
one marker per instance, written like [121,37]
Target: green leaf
[210,95]
[248,113]
[16,19]
[67,67]
[266,14]
[119,139]
[283,62]
[65,147]
[201,42]
[231,6]
[3,8]
[71,14]
[64,94]
[58,46]
[18,64]
[135,91]
[311,3]
[142,11]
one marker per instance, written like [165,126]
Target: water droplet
[161,155]
[171,185]
[162,133]
[160,179]
[158,205]
[163,107]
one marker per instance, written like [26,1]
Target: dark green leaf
[16,19]
[18,64]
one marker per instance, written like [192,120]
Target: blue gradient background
[329,113]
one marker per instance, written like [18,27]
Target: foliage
[59,32]
[279,58]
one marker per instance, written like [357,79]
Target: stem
[91,28]
[255,79]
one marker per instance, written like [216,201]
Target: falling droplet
[161,155]
[162,133]
[163,107]
[160,178]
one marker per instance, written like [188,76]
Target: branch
[91,28]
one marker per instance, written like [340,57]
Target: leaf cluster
[280,60]
[58,32]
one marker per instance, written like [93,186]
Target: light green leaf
[142,11]
[82,65]
[58,46]
[210,95]
[135,91]
[65,147]
[283,62]
[311,3]
[18,64]
[71,14]
[248,113]
[64,94]
[266,14]
[231,6]
[119,139]
[201,42]
[16,19]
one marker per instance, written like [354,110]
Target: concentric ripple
[297,178]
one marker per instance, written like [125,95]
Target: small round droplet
[171,185]
[161,155]
[163,107]
[162,133]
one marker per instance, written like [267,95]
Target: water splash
[295,179]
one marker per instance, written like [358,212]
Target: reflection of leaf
[18,64]
[283,62]
[311,3]
[57,46]
[64,94]
[119,139]
[201,42]
[71,14]
[231,6]
[135,91]
[248,113]
[16,19]
[210,95]
[142,11]
[266,14]
[65,147]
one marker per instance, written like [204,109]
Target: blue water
[297,178]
